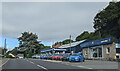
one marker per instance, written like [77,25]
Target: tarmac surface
[38,64]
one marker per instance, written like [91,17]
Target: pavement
[94,64]
[37,64]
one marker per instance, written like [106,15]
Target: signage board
[97,42]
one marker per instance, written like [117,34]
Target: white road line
[38,65]
[4,63]
[42,67]
[84,67]
[31,62]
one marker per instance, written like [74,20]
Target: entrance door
[97,52]
[100,52]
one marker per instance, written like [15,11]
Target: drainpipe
[102,52]
[88,53]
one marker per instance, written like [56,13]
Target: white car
[36,56]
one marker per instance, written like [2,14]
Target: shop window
[85,52]
[108,50]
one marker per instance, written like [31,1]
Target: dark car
[66,57]
[48,56]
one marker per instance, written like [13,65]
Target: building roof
[72,44]
[56,46]
[52,49]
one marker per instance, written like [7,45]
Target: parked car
[53,57]
[43,56]
[65,57]
[77,57]
[59,57]
[48,56]
[36,56]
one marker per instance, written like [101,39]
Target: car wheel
[84,60]
[79,60]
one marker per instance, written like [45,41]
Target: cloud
[50,21]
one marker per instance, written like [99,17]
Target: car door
[81,57]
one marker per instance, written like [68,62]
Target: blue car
[77,57]
[43,56]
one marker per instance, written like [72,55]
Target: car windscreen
[60,55]
[75,54]
[55,54]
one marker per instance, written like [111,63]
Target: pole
[5,47]
[70,43]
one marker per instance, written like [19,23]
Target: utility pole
[70,43]
[5,49]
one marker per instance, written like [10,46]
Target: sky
[51,21]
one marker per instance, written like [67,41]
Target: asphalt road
[37,64]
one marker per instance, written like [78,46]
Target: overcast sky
[50,21]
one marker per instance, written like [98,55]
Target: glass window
[75,54]
[85,52]
[117,50]
[107,50]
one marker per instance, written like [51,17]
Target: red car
[53,57]
[59,57]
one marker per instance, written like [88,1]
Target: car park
[77,57]
[65,57]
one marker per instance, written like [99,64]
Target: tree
[28,41]
[107,21]
[84,35]
[67,41]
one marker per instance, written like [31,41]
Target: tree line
[106,24]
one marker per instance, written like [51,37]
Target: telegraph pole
[70,43]
[5,49]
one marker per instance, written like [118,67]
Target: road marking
[31,62]
[84,67]
[38,65]
[42,67]
[4,63]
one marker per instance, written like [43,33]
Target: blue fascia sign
[97,42]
